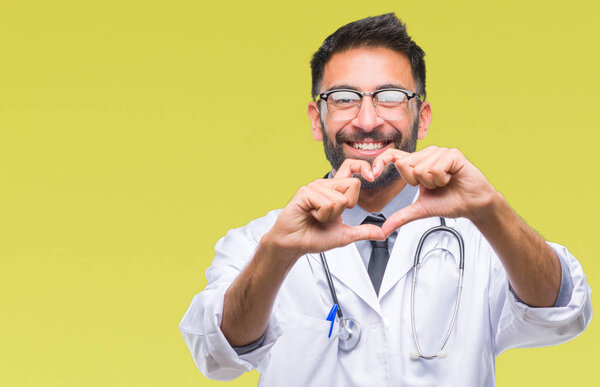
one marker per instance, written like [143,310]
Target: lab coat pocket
[303,355]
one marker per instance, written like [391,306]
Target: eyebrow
[379,87]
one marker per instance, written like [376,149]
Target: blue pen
[331,317]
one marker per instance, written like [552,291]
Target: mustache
[342,137]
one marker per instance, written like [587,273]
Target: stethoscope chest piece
[349,334]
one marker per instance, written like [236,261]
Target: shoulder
[235,249]
[256,228]
[248,236]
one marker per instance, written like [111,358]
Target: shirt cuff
[252,346]
[566,286]
[212,353]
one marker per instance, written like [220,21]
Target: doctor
[267,298]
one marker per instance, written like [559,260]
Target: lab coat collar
[402,255]
[346,265]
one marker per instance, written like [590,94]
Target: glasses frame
[409,95]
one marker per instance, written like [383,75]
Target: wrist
[271,247]
[492,211]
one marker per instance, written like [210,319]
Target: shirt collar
[356,215]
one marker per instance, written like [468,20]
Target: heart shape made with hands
[449,185]
[355,167]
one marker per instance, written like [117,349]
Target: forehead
[367,69]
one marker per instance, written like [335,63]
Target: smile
[370,145]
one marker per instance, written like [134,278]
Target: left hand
[449,185]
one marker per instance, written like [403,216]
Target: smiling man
[352,240]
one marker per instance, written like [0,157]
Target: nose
[367,118]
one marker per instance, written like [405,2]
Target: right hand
[311,222]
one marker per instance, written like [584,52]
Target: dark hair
[377,31]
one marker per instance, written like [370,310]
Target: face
[367,135]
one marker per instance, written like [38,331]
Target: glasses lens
[343,105]
[391,104]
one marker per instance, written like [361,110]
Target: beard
[335,152]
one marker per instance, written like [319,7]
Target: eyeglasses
[389,104]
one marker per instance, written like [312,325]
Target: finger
[407,214]
[406,166]
[407,172]
[426,173]
[395,156]
[440,166]
[362,232]
[389,156]
[351,166]
[340,201]
[317,204]
[453,160]
[321,207]
[443,167]
[348,186]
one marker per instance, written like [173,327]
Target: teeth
[368,145]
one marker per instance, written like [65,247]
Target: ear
[314,115]
[424,119]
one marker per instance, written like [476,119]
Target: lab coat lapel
[346,265]
[403,254]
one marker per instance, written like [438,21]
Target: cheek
[403,130]
[331,129]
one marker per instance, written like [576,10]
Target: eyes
[340,98]
[347,98]
[390,104]
[390,97]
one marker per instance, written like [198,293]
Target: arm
[531,265]
[311,222]
[249,300]
[453,187]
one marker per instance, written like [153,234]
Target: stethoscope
[349,329]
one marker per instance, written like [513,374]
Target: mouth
[368,147]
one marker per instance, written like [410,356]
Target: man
[268,294]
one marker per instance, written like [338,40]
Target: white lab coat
[297,351]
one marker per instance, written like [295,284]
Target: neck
[373,200]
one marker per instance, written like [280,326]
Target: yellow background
[133,134]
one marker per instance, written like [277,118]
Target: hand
[311,222]
[449,185]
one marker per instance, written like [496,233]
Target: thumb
[407,214]
[363,232]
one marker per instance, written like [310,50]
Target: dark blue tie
[379,256]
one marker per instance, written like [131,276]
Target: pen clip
[331,317]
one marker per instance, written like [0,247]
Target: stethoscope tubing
[416,265]
[452,321]
[331,288]
[443,227]
[344,321]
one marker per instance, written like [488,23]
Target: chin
[389,175]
